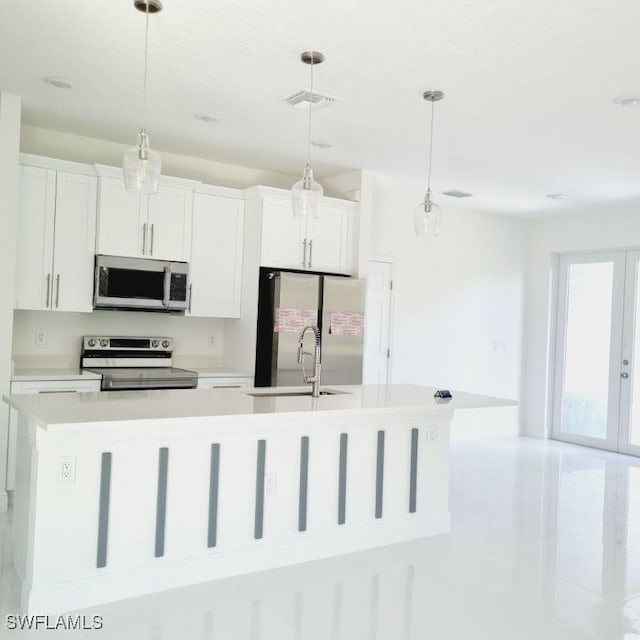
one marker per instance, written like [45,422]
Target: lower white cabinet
[218,382]
[38,386]
[215,269]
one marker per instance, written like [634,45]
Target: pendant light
[428,214]
[141,165]
[306,194]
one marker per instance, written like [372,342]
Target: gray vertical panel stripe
[413,479]
[257,530]
[342,480]
[304,479]
[214,475]
[379,474]
[103,509]
[161,501]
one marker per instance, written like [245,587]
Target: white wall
[64,332]
[9,141]
[458,302]
[592,231]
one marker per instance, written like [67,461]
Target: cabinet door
[35,238]
[74,242]
[215,382]
[122,217]
[169,224]
[282,236]
[329,237]
[216,256]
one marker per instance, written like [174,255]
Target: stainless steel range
[127,363]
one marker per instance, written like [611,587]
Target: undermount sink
[286,394]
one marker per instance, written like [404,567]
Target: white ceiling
[529,88]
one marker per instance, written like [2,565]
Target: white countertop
[56,411]
[48,374]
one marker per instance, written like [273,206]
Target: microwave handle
[167,286]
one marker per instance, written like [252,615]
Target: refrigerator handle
[304,253]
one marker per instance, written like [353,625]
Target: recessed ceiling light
[556,196]
[204,117]
[456,193]
[628,100]
[321,145]
[58,82]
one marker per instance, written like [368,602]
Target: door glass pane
[634,427]
[585,395]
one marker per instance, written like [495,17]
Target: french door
[596,395]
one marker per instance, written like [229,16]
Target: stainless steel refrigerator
[289,301]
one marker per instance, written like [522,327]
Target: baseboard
[261,555]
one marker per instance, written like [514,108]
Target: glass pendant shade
[306,195]
[141,166]
[427,217]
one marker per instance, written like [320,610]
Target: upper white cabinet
[215,268]
[56,236]
[318,245]
[141,226]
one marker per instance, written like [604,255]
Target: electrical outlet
[41,336]
[432,435]
[67,469]
[270,484]
[212,341]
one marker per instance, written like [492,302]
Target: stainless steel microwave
[139,283]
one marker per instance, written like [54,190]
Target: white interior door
[377,323]
[596,399]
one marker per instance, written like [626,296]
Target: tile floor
[545,545]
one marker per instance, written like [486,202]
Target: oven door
[137,283]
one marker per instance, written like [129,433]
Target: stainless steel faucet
[315,378]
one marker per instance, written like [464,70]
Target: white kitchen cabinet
[55,237]
[226,382]
[215,268]
[38,386]
[144,226]
[318,245]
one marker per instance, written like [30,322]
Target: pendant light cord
[309,123]
[430,147]
[146,62]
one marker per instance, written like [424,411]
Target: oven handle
[167,286]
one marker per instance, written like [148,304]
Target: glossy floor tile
[545,545]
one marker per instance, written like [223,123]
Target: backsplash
[203,337]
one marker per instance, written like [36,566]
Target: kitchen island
[120,494]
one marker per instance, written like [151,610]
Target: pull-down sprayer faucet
[315,378]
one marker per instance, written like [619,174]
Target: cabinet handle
[48,290]
[144,238]
[151,252]
[304,253]
[310,252]
[57,290]
[190,294]
[58,391]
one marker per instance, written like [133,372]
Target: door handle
[151,243]
[48,290]
[144,238]
[304,253]
[310,253]
[57,290]
[167,287]
[624,375]
[190,294]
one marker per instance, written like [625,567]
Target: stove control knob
[165,344]
[155,344]
[91,342]
[104,342]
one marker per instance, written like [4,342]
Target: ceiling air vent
[456,193]
[303,97]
